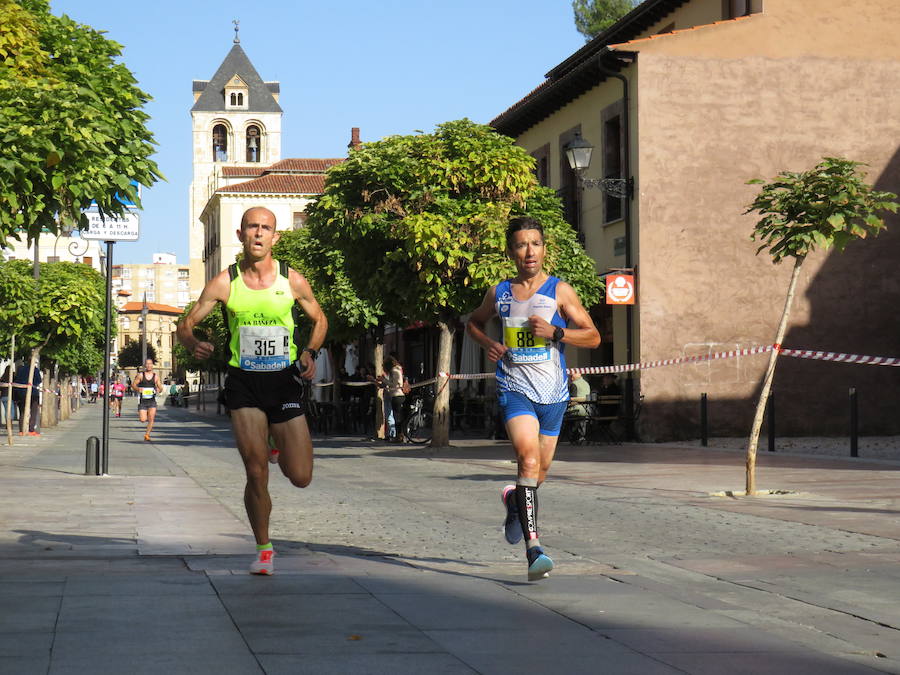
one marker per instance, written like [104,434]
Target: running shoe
[146,437]
[512,529]
[264,563]
[539,564]
[34,433]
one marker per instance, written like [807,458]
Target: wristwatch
[558,334]
[314,353]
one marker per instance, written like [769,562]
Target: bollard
[92,456]
[770,416]
[704,435]
[854,424]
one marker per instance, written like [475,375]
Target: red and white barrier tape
[797,353]
[4,385]
[842,358]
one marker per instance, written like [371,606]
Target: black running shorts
[147,403]
[279,395]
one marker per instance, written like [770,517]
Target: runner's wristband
[314,353]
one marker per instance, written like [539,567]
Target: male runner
[532,385]
[147,385]
[263,392]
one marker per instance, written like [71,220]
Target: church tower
[236,121]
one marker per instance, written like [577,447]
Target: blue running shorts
[548,415]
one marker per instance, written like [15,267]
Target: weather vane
[237,40]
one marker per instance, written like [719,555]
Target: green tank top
[262,324]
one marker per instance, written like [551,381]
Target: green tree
[418,223]
[18,296]
[69,299]
[829,205]
[323,266]
[592,17]
[131,355]
[71,123]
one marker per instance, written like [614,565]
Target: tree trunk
[47,413]
[9,390]
[440,437]
[767,382]
[26,414]
[378,360]
[65,399]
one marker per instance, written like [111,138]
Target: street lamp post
[144,311]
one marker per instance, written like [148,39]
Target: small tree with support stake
[829,205]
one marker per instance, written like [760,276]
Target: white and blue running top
[532,366]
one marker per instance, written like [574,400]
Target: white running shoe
[264,563]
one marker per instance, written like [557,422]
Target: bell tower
[236,122]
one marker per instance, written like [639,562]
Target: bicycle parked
[419,418]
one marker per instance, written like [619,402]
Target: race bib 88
[524,346]
[265,348]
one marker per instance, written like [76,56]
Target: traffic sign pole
[106,363]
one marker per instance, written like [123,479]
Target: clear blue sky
[389,67]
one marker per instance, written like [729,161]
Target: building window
[253,143]
[613,158]
[126,272]
[542,165]
[299,219]
[732,9]
[126,323]
[220,143]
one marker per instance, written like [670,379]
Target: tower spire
[237,39]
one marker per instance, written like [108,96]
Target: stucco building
[691,99]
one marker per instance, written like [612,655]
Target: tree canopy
[131,355]
[412,228]
[60,314]
[71,123]
[592,17]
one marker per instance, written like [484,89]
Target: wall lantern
[578,153]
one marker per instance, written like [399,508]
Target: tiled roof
[153,307]
[304,165]
[663,36]
[280,183]
[242,171]
[236,63]
[579,72]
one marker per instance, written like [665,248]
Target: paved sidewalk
[144,570]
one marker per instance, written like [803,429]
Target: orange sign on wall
[619,289]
